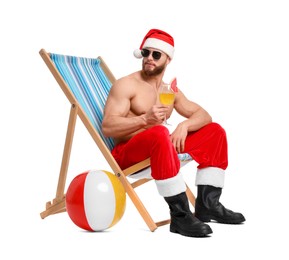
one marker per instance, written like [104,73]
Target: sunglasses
[156,54]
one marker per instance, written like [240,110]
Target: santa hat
[157,39]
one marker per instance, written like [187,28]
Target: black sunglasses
[156,54]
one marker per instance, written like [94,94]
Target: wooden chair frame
[57,205]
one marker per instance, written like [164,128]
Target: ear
[168,60]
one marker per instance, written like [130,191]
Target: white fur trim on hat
[172,186]
[160,45]
[156,44]
[211,176]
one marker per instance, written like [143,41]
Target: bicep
[118,102]
[184,106]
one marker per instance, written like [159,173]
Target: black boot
[209,208]
[182,219]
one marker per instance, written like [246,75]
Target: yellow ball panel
[120,197]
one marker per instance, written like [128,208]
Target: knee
[159,132]
[159,135]
[216,128]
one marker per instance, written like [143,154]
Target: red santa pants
[207,146]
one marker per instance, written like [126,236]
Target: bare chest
[144,100]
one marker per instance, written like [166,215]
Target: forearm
[197,121]
[120,127]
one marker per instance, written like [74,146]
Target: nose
[150,57]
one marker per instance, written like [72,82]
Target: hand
[178,137]
[156,115]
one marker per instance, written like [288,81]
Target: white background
[232,57]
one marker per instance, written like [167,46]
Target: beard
[156,71]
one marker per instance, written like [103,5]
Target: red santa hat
[157,39]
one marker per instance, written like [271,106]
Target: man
[133,116]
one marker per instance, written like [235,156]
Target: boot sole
[197,234]
[222,221]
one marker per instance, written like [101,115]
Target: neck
[153,80]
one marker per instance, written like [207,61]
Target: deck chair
[86,83]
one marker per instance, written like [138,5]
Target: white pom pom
[137,53]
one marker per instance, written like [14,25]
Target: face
[151,65]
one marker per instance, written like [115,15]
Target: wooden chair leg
[137,202]
[58,204]
[191,196]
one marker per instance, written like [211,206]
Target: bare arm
[197,117]
[119,121]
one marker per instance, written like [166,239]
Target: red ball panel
[74,202]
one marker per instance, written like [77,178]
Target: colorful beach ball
[95,200]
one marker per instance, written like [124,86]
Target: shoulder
[133,77]
[125,85]
[181,100]
[129,80]
[179,95]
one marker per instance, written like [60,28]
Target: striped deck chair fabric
[89,84]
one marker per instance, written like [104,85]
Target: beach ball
[95,200]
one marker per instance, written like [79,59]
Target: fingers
[179,144]
[160,108]
[159,112]
[162,116]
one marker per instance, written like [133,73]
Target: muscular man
[134,117]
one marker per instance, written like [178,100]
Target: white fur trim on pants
[211,176]
[172,186]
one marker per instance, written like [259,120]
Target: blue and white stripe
[89,84]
